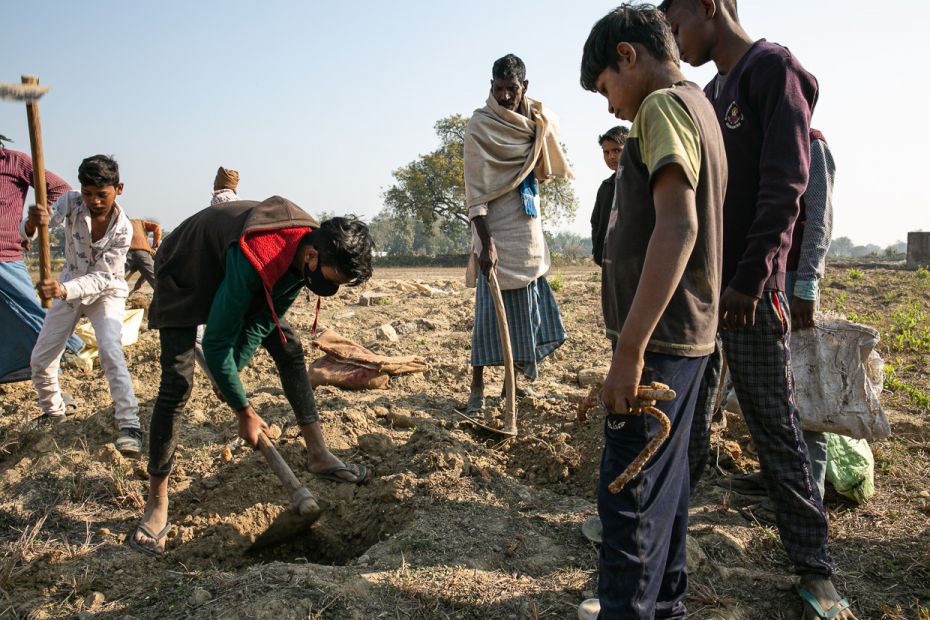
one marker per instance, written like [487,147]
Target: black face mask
[317,283]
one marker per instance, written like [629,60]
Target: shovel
[510,385]
[303,511]
[29,92]
[299,516]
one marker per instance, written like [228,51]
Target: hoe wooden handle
[510,409]
[38,182]
[281,469]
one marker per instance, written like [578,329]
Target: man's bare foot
[823,590]
[476,396]
[154,520]
[475,403]
[326,460]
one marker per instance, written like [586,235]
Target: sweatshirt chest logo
[733,117]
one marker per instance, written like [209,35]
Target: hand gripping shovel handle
[301,499]
[510,409]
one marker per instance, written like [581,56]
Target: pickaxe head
[22,93]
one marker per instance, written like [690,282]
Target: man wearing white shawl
[511,147]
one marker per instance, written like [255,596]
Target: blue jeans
[816,442]
[643,557]
[21,318]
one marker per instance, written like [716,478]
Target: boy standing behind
[612,146]
[661,277]
[764,99]
[97,236]
[140,253]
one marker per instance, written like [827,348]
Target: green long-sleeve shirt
[240,319]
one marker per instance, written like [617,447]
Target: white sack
[838,379]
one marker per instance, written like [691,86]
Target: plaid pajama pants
[533,321]
[759,359]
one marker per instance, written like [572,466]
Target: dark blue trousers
[643,559]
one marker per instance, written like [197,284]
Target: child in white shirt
[97,238]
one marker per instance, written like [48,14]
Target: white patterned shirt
[224,195]
[92,269]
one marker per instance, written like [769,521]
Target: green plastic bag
[850,467]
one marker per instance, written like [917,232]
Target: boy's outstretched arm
[669,249]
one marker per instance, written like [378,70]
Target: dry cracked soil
[454,522]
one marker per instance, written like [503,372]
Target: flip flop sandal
[750,485]
[593,530]
[475,405]
[825,614]
[45,421]
[70,405]
[149,551]
[331,474]
[759,514]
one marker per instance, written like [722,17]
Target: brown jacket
[140,235]
[191,264]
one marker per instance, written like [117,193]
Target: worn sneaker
[589,609]
[593,530]
[129,442]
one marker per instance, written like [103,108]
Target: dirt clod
[375,444]
[199,597]
[94,600]
[386,333]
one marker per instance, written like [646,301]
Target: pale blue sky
[320,101]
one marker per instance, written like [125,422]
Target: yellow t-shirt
[666,134]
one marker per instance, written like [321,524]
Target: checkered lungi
[533,321]
[759,359]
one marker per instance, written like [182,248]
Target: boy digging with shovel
[238,267]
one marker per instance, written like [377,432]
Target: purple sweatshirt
[764,107]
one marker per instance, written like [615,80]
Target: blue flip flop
[826,614]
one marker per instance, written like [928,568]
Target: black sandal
[154,552]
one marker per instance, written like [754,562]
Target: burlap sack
[330,371]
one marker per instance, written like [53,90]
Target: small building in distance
[918,249]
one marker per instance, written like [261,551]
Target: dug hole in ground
[454,522]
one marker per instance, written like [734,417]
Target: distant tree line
[844,247]
[424,212]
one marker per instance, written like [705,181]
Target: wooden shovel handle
[510,409]
[38,182]
[281,469]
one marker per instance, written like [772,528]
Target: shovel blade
[509,431]
[287,525]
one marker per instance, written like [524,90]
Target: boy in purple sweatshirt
[764,99]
